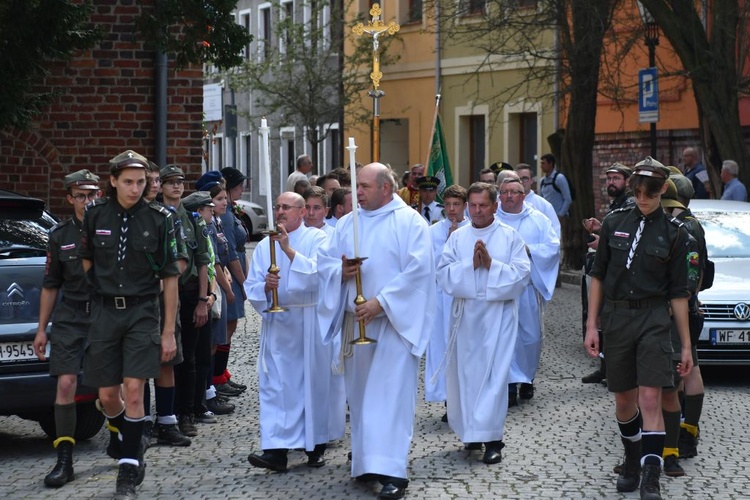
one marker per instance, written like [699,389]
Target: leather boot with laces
[63,471]
[630,474]
[650,489]
[127,480]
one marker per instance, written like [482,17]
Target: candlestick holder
[273,269]
[359,300]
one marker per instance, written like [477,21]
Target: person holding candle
[399,285]
[294,365]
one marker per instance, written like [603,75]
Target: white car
[725,339]
[254,217]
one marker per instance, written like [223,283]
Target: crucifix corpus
[376,27]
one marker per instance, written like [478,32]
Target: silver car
[254,217]
[725,339]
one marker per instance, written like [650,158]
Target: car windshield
[727,233]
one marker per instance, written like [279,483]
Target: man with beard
[617,189]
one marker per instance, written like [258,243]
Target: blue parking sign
[648,96]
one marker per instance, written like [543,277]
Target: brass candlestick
[273,269]
[359,300]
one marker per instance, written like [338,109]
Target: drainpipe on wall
[160,110]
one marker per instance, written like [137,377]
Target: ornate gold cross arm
[375,27]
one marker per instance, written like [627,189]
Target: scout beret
[197,200]
[208,180]
[674,170]
[651,168]
[171,171]
[233,177]
[127,159]
[429,182]
[83,179]
[619,168]
[669,198]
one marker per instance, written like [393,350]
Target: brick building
[107,103]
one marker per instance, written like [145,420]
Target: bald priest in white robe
[485,268]
[399,285]
[294,366]
[543,246]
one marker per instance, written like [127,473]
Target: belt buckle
[634,304]
[87,307]
[120,303]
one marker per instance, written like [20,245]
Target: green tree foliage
[33,33]
[195,31]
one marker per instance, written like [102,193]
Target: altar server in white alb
[485,268]
[454,201]
[294,367]
[543,248]
[399,285]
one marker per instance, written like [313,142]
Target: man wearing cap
[639,276]
[543,248]
[617,177]
[192,310]
[431,210]
[294,377]
[733,188]
[64,275]
[410,193]
[127,247]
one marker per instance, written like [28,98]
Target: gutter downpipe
[160,110]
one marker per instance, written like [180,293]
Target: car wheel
[89,421]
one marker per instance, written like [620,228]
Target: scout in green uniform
[640,274]
[193,293]
[64,275]
[127,246]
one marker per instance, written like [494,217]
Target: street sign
[648,96]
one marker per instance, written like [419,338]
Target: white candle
[265,168]
[353,171]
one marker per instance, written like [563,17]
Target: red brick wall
[106,105]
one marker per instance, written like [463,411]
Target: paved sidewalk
[561,444]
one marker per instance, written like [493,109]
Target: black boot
[63,471]
[127,480]
[631,468]
[650,489]
[315,458]
[270,459]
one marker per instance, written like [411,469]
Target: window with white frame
[246,159]
[287,153]
[217,152]
[472,7]
[286,15]
[264,31]
[243,20]
[330,153]
[411,11]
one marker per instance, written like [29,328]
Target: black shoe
[215,405]
[270,459]
[512,399]
[526,391]
[63,471]
[235,385]
[391,490]
[492,452]
[650,489]
[227,390]
[207,417]
[315,458]
[127,480]
[630,475]
[594,377]
[186,424]
[687,444]
[114,448]
[171,435]
[367,477]
[473,446]
[672,467]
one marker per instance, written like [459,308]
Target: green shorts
[637,347]
[122,343]
[70,328]
[677,356]
[178,357]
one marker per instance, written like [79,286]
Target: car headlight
[258,211]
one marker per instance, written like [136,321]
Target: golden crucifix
[376,27]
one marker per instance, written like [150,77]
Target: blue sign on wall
[648,96]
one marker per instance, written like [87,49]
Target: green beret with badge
[82,179]
[171,171]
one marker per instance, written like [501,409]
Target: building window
[472,7]
[526,4]
[527,137]
[414,16]
[245,23]
[477,153]
[264,32]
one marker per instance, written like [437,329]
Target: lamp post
[652,40]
